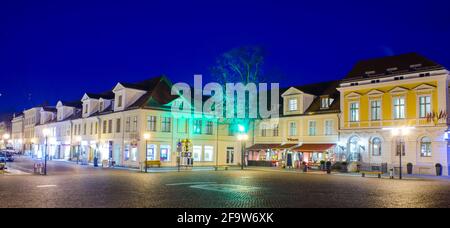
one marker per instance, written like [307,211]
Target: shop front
[263,155]
[313,154]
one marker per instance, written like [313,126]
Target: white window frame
[208,151]
[396,115]
[354,118]
[419,105]
[312,130]
[293,104]
[328,129]
[291,132]
[379,112]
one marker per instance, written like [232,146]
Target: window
[85,129]
[86,107]
[353,145]
[101,106]
[230,155]
[276,130]
[151,155]
[354,112]
[164,153]
[127,124]
[135,124]
[209,153]
[425,147]
[312,128]
[375,110]
[328,127]
[151,123]
[197,126]
[134,153]
[325,102]
[400,146]
[92,129]
[399,108]
[292,129]
[119,102]
[263,130]
[197,153]
[110,126]
[118,125]
[293,105]
[209,128]
[96,128]
[105,126]
[424,106]
[126,154]
[165,124]
[376,147]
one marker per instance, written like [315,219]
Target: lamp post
[242,138]
[5,141]
[46,133]
[78,139]
[400,133]
[147,137]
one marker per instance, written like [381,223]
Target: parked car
[9,156]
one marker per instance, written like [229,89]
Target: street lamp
[5,140]
[147,137]
[78,139]
[400,133]
[46,133]
[242,138]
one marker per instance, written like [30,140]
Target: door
[230,155]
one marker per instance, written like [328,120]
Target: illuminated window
[197,153]
[293,105]
[328,127]
[424,106]
[134,153]
[376,147]
[375,110]
[425,147]
[151,155]
[325,102]
[209,153]
[292,129]
[312,130]
[399,108]
[126,154]
[164,153]
[354,112]
[151,123]
[197,126]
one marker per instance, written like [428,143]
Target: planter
[409,168]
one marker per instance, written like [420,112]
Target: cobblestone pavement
[70,185]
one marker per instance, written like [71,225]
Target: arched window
[425,147]
[376,147]
[353,148]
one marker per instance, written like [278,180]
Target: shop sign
[292,140]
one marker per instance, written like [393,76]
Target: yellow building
[396,105]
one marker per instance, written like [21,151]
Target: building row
[381,109]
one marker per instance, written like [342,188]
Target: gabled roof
[145,85]
[390,66]
[74,104]
[108,95]
[158,93]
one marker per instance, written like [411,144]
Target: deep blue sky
[61,49]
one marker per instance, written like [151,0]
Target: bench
[224,167]
[153,163]
[377,173]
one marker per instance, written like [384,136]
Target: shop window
[134,153]
[126,153]
[165,153]
[197,153]
[209,153]
[151,155]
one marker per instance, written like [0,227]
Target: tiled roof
[389,66]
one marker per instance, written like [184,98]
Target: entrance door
[230,155]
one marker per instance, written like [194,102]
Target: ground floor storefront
[424,151]
[311,156]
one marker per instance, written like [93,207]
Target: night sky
[51,50]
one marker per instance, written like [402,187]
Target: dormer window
[293,106]
[101,106]
[86,107]
[325,102]
[119,102]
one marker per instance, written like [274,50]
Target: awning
[263,146]
[285,146]
[314,147]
